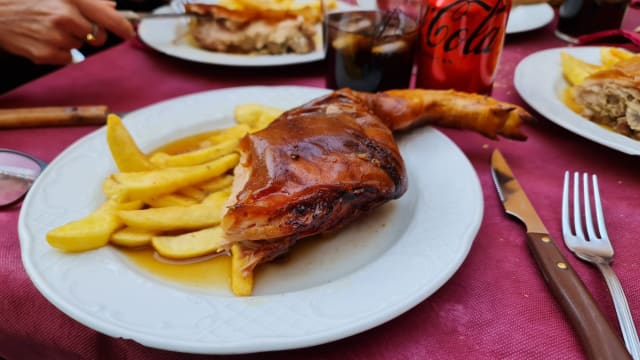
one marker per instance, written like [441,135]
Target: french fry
[195,157]
[131,237]
[113,190]
[92,231]
[148,184]
[233,133]
[193,217]
[255,115]
[194,193]
[218,198]
[170,200]
[217,184]
[241,281]
[277,9]
[576,70]
[611,56]
[198,243]
[125,152]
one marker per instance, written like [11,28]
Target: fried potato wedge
[611,55]
[241,281]
[255,115]
[194,193]
[193,244]
[236,132]
[195,157]
[131,237]
[194,217]
[311,11]
[92,231]
[217,184]
[124,150]
[148,184]
[576,70]
[170,200]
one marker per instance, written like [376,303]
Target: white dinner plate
[368,273]
[170,36]
[529,17]
[539,81]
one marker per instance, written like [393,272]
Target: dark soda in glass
[370,50]
[580,17]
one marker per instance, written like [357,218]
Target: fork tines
[596,248]
[573,234]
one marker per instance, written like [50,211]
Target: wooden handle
[53,116]
[596,334]
[527,2]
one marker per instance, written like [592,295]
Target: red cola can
[460,44]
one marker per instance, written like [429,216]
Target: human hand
[45,31]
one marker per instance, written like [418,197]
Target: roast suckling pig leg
[321,165]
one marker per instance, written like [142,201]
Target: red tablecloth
[495,306]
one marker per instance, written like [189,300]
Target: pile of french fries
[170,201]
[575,70]
[311,11]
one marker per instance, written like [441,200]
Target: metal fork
[596,249]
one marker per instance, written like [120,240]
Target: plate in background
[539,81]
[529,17]
[170,36]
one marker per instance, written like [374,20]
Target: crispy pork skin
[320,166]
[314,169]
[612,97]
[243,32]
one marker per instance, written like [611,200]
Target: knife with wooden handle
[596,334]
[53,116]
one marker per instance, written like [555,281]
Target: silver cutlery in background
[596,249]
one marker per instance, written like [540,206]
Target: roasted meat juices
[460,44]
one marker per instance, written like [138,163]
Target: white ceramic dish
[529,17]
[405,250]
[539,81]
[169,36]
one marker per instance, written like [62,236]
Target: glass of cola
[370,48]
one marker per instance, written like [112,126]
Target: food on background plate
[607,94]
[312,170]
[256,27]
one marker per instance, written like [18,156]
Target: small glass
[370,48]
[18,171]
[581,17]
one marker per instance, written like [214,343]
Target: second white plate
[170,37]
[529,17]
[539,81]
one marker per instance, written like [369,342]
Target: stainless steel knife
[596,334]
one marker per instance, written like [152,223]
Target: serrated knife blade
[596,334]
